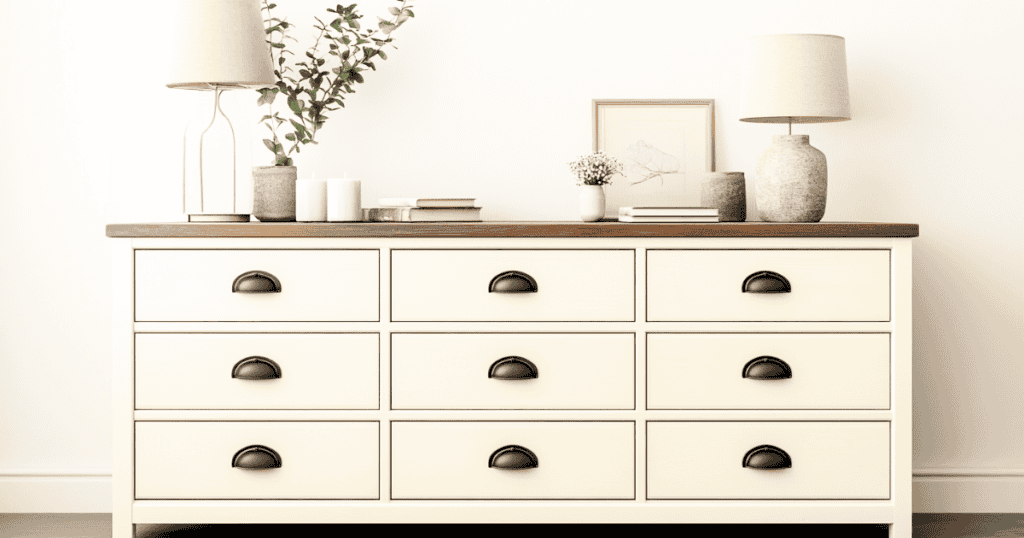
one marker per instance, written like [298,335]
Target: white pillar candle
[311,200]
[344,200]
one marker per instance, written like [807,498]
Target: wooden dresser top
[512,229]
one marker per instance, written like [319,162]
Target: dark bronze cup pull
[256,368]
[256,457]
[512,367]
[767,367]
[767,457]
[513,457]
[766,282]
[513,282]
[256,282]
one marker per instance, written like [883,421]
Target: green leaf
[271,6]
[295,105]
[382,55]
[269,143]
[394,10]
[386,26]
[299,128]
[277,45]
[290,136]
[370,65]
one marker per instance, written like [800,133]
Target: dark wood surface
[512,229]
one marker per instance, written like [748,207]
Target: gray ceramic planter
[273,196]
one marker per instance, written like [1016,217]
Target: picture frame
[658,141]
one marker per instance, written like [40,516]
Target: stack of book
[668,214]
[423,210]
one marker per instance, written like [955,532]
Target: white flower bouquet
[595,169]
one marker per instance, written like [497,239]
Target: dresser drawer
[826,285]
[829,460]
[195,460]
[257,371]
[495,371]
[452,460]
[768,371]
[456,285]
[199,285]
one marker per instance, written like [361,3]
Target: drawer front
[826,285]
[829,460]
[454,285]
[319,460]
[749,371]
[451,460]
[316,285]
[228,371]
[494,371]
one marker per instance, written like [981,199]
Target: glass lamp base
[217,217]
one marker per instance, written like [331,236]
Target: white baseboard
[969,491]
[77,491]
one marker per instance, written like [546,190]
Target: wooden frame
[658,141]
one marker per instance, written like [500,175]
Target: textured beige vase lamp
[221,46]
[796,78]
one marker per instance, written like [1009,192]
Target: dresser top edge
[521,229]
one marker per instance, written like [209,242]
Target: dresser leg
[897,530]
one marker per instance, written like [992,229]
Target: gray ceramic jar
[727,192]
[273,193]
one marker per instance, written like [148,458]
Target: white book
[421,214]
[669,211]
[631,218]
[427,202]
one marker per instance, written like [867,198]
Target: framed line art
[658,141]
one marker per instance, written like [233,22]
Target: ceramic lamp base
[215,217]
[792,181]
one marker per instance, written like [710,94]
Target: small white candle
[311,200]
[344,200]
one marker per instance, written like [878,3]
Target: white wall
[491,99]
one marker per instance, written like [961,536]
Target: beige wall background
[492,100]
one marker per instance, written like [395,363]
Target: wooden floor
[98,526]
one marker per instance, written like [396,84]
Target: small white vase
[591,203]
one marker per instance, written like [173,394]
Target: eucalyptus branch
[323,81]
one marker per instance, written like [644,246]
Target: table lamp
[221,46]
[794,78]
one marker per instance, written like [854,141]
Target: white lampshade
[220,43]
[795,78]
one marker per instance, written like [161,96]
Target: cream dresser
[512,372]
